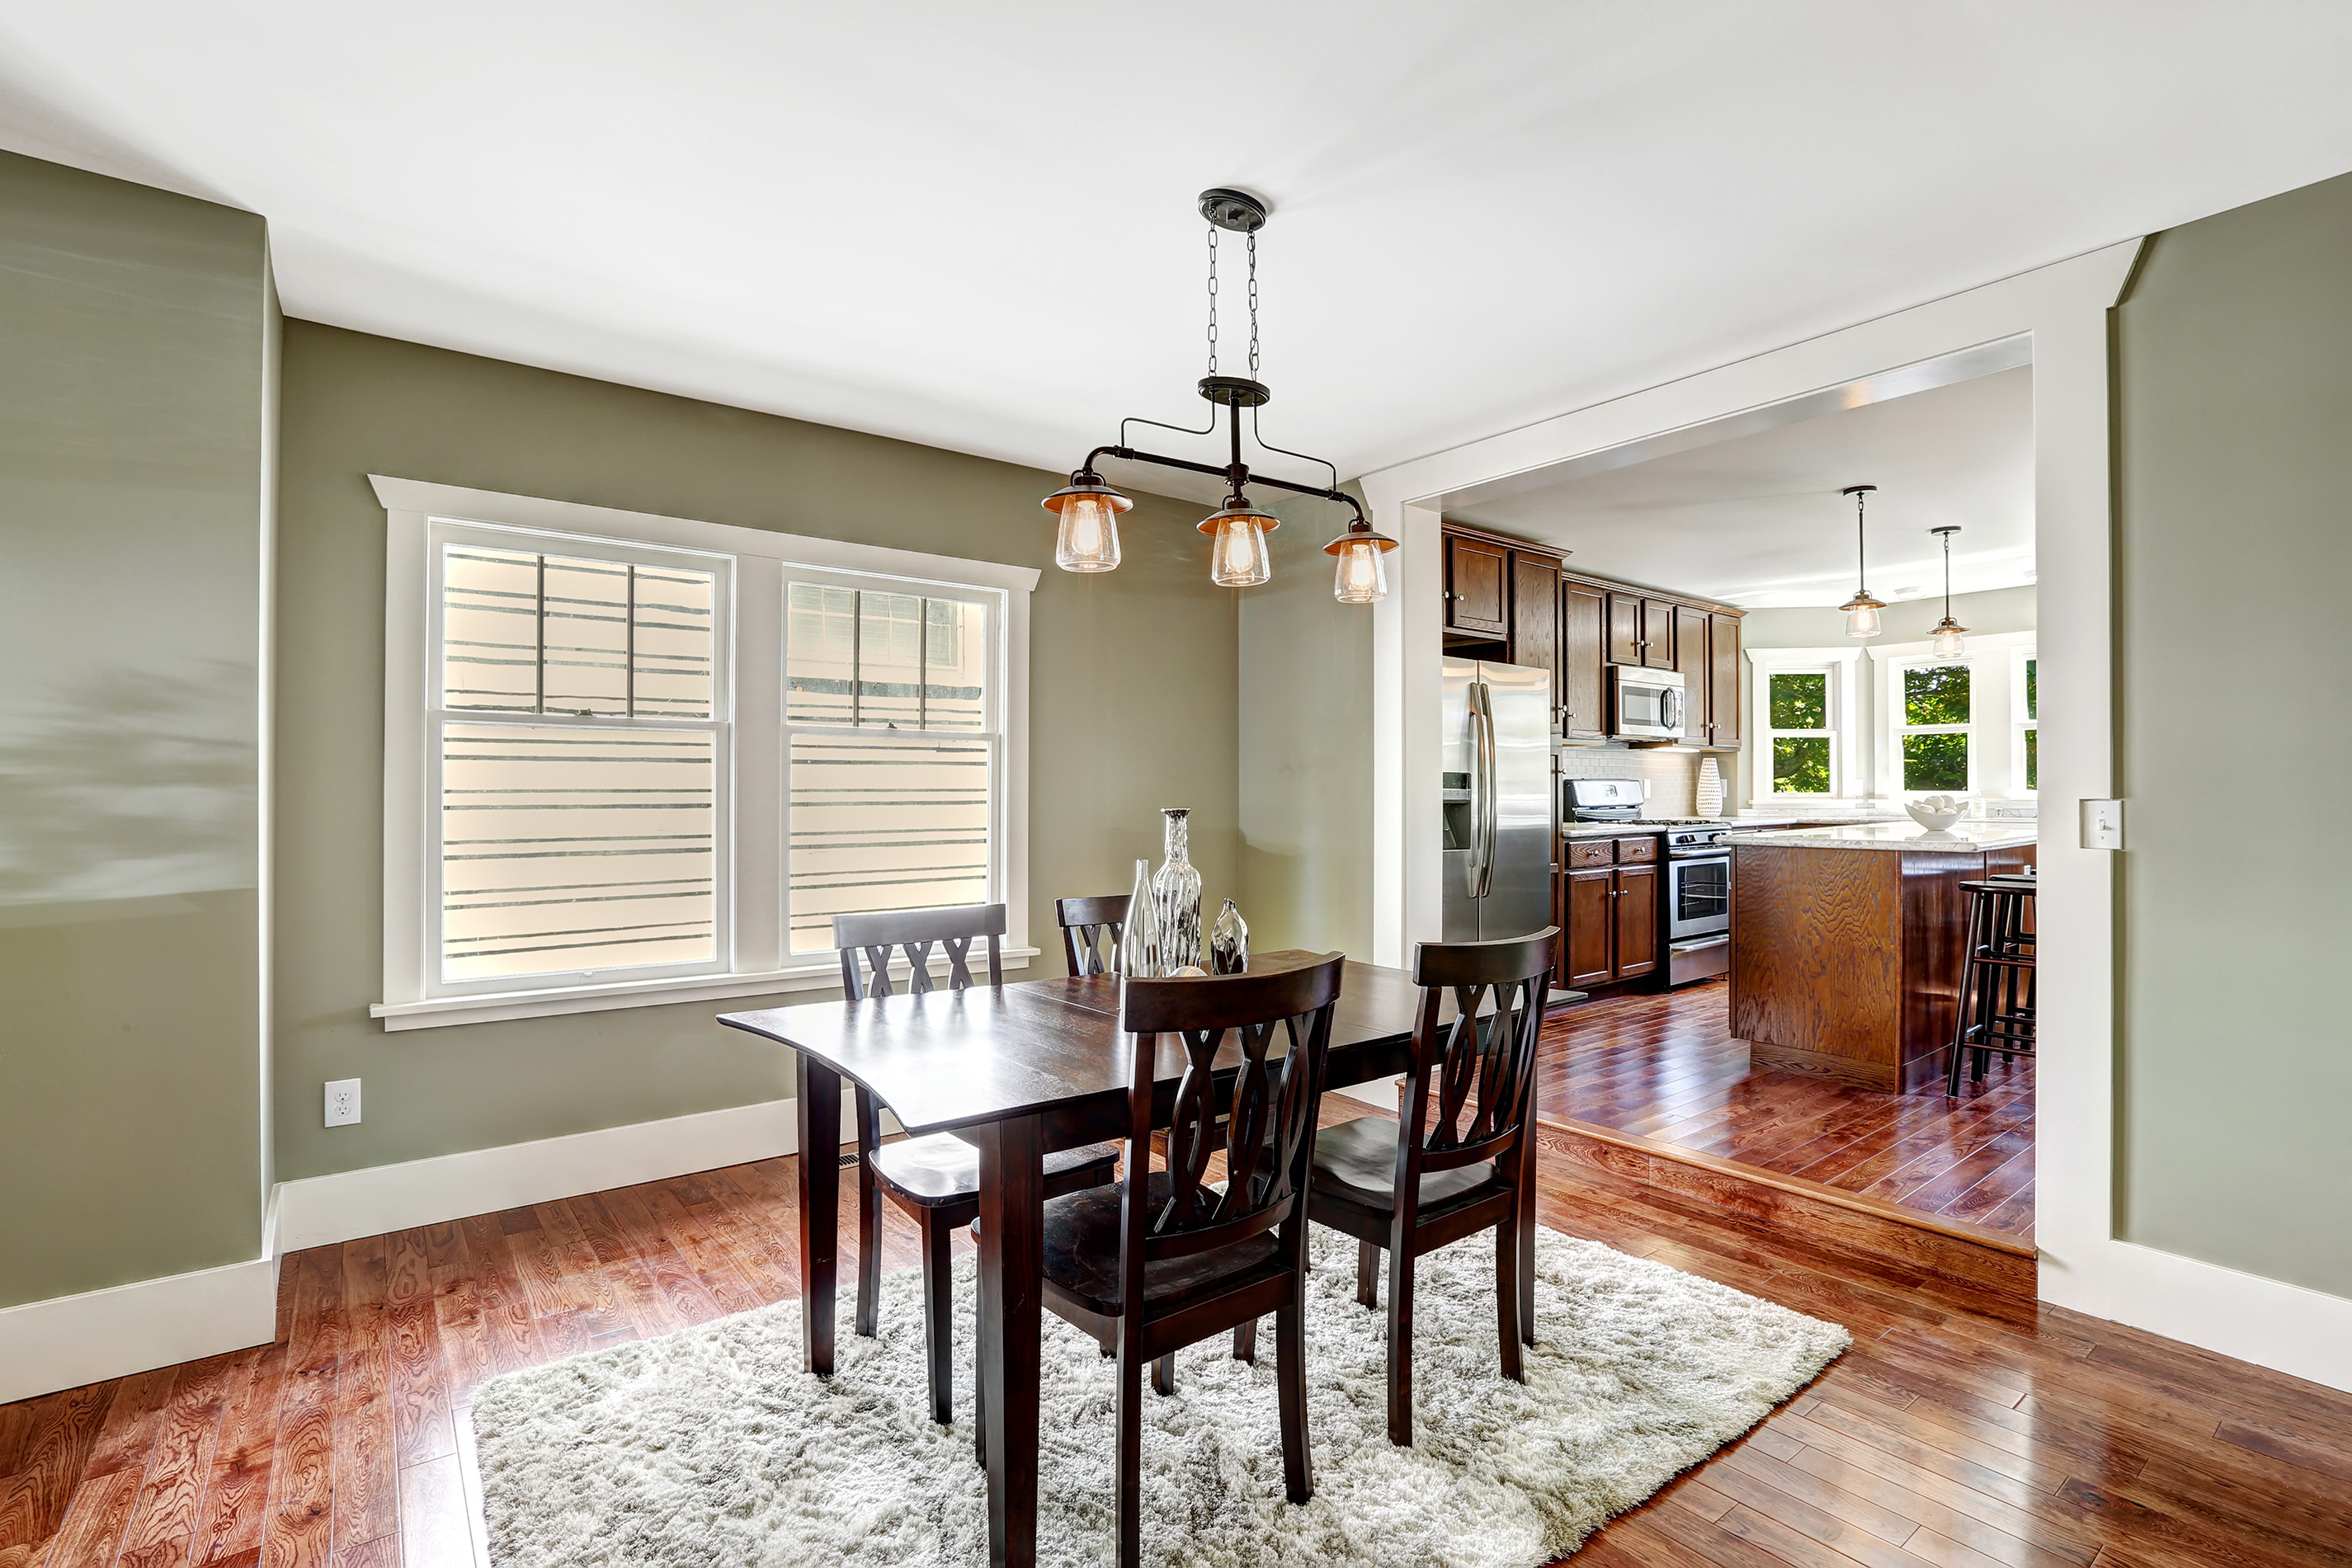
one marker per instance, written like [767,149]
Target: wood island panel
[1846,963]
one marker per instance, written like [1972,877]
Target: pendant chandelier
[1861,609]
[1948,632]
[1087,509]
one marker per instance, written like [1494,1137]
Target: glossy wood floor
[1667,1066]
[1961,1429]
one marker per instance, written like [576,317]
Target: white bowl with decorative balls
[1935,812]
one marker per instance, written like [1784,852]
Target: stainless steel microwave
[1644,704]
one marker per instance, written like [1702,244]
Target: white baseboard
[67,1341]
[2302,1333]
[346,1205]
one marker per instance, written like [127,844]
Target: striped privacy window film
[874,659]
[892,763]
[554,634]
[575,849]
[884,821]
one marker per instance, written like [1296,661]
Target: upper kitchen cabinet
[1535,618]
[1583,661]
[1477,588]
[1723,681]
[1641,630]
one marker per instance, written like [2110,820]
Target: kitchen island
[1846,944]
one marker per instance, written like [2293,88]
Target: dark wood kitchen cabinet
[1535,618]
[1723,681]
[1607,908]
[1477,586]
[1690,663]
[1641,630]
[1583,661]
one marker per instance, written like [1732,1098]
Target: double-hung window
[1933,719]
[634,759]
[1803,724]
[2025,713]
[1958,725]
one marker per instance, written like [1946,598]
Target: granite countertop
[1637,826]
[1904,835]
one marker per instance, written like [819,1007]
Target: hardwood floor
[1962,1428]
[1667,1066]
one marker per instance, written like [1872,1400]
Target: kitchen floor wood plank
[1804,1550]
[127,1435]
[172,1493]
[434,1529]
[366,1506]
[1755,1466]
[408,1269]
[499,1295]
[236,1492]
[420,1397]
[90,1534]
[51,1461]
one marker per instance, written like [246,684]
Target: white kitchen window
[2025,714]
[635,759]
[1801,701]
[1956,726]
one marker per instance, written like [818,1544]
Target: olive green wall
[2234,443]
[1306,723]
[135,333]
[1131,703]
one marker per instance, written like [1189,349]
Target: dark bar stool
[1996,1011]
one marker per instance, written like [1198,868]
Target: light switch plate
[2102,824]
[343,1102]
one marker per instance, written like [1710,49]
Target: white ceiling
[972,226]
[1757,520]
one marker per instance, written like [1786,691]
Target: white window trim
[1996,758]
[761,963]
[1845,752]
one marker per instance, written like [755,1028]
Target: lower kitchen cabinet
[1607,911]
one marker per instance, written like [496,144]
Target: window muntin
[1932,735]
[893,754]
[578,762]
[2028,708]
[1797,725]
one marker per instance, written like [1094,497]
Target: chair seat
[939,1169]
[1356,1162]
[1082,1251]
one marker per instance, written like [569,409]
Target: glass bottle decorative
[1139,943]
[1229,942]
[1176,898]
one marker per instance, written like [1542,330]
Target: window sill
[490,1006]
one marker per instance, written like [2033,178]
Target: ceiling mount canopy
[1087,539]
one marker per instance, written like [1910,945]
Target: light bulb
[1949,641]
[1362,577]
[1088,537]
[1240,558]
[1861,620]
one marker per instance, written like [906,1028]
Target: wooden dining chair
[1091,931]
[1452,1163]
[1149,1267]
[935,1180]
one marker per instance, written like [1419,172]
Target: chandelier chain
[1212,299]
[1253,302]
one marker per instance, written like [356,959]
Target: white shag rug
[711,1448]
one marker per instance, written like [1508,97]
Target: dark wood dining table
[1018,1070]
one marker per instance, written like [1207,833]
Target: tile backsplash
[1672,775]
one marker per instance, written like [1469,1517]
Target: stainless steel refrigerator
[1499,838]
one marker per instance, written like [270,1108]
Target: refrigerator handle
[1489,816]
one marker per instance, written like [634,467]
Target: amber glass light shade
[1088,539]
[1238,557]
[1862,615]
[1361,578]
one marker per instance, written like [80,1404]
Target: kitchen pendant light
[1861,609]
[1949,640]
[1087,509]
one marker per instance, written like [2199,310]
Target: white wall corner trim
[317,1210]
[68,1341]
[2287,1328]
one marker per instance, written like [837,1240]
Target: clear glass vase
[1176,898]
[1138,942]
[1229,942]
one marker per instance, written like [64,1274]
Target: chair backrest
[1267,1135]
[1091,931]
[916,932]
[1472,1086]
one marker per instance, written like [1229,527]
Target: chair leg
[1290,1385]
[939,1318]
[979,1416]
[1163,1374]
[1130,1469]
[1507,1263]
[1246,1342]
[1368,1273]
[1400,1346]
[870,1219]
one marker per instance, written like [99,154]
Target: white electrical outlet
[343,1102]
